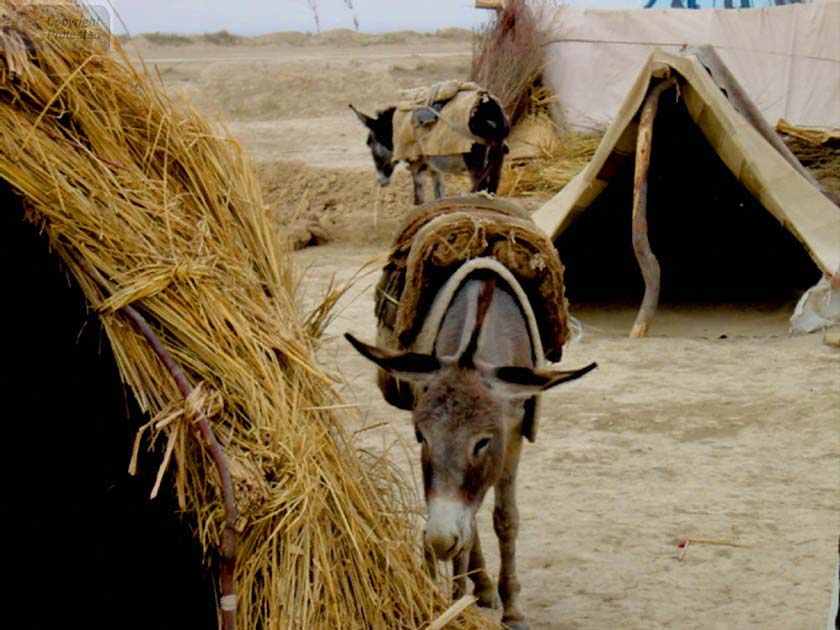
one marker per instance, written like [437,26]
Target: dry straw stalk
[508,55]
[547,175]
[138,192]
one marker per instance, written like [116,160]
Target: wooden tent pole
[229,537]
[641,245]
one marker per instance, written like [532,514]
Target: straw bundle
[560,161]
[149,208]
[549,174]
[507,57]
[508,60]
[822,160]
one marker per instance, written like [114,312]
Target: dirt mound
[281,38]
[339,37]
[261,90]
[344,205]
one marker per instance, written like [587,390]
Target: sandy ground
[719,427]
[684,435]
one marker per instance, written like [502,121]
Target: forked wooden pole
[641,245]
[228,543]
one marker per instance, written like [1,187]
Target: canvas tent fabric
[818,308]
[809,215]
[786,58]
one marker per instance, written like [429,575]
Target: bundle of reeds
[159,219]
[507,56]
[547,175]
[508,61]
[821,159]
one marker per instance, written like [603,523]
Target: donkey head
[459,418]
[381,142]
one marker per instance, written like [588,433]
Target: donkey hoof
[490,599]
[516,625]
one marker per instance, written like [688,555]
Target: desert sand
[719,428]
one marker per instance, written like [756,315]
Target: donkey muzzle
[448,527]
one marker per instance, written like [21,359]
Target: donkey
[468,416]
[483,162]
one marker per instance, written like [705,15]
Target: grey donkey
[470,398]
[483,162]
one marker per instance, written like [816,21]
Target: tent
[786,58]
[730,216]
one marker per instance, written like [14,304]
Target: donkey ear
[367,121]
[406,366]
[523,382]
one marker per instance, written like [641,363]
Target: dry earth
[719,427]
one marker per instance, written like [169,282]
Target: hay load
[159,221]
[435,120]
[443,238]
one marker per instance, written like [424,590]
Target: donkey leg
[439,183]
[475,161]
[495,160]
[506,524]
[483,587]
[418,172]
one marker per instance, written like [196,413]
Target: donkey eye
[479,446]
[419,436]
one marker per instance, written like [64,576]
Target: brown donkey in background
[471,394]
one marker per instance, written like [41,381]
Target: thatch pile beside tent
[150,209]
[508,61]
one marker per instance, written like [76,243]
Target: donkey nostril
[443,527]
[443,546]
